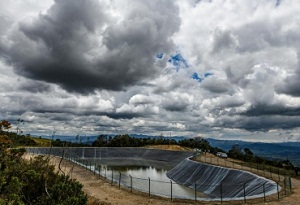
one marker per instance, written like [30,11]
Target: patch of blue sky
[196,76]
[195,2]
[178,61]
[208,74]
[278,2]
[160,55]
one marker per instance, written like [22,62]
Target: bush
[35,181]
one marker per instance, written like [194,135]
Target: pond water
[142,172]
[149,177]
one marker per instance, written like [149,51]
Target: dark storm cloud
[175,106]
[78,45]
[291,85]
[34,87]
[124,115]
[266,123]
[253,123]
[262,109]
[216,86]
[61,117]
[72,111]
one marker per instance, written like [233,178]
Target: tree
[248,155]
[101,141]
[197,142]
[5,125]
[235,152]
[248,152]
[20,121]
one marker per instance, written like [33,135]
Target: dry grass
[168,147]
[42,142]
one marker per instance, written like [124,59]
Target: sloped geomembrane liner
[217,182]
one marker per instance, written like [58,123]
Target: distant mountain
[225,144]
[280,151]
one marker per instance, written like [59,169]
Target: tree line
[128,141]
[247,155]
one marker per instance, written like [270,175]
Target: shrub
[35,181]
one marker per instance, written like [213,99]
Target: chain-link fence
[173,190]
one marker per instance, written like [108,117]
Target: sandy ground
[101,192]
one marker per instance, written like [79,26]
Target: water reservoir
[150,171]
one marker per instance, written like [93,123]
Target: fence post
[171,191]
[112,176]
[284,185]
[278,190]
[105,172]
[119,180]
[271,173]
[264,189]
[99,170]
[195,192]
[245,193]
[149,186]
[130,183]
[290,182]
[221,193]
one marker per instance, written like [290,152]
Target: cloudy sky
[213,68]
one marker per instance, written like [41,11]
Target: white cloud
[103,76]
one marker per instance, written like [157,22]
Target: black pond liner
[219,182]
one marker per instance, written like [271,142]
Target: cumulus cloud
[176,102]
[252,49]
[218,68]
[82,47]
